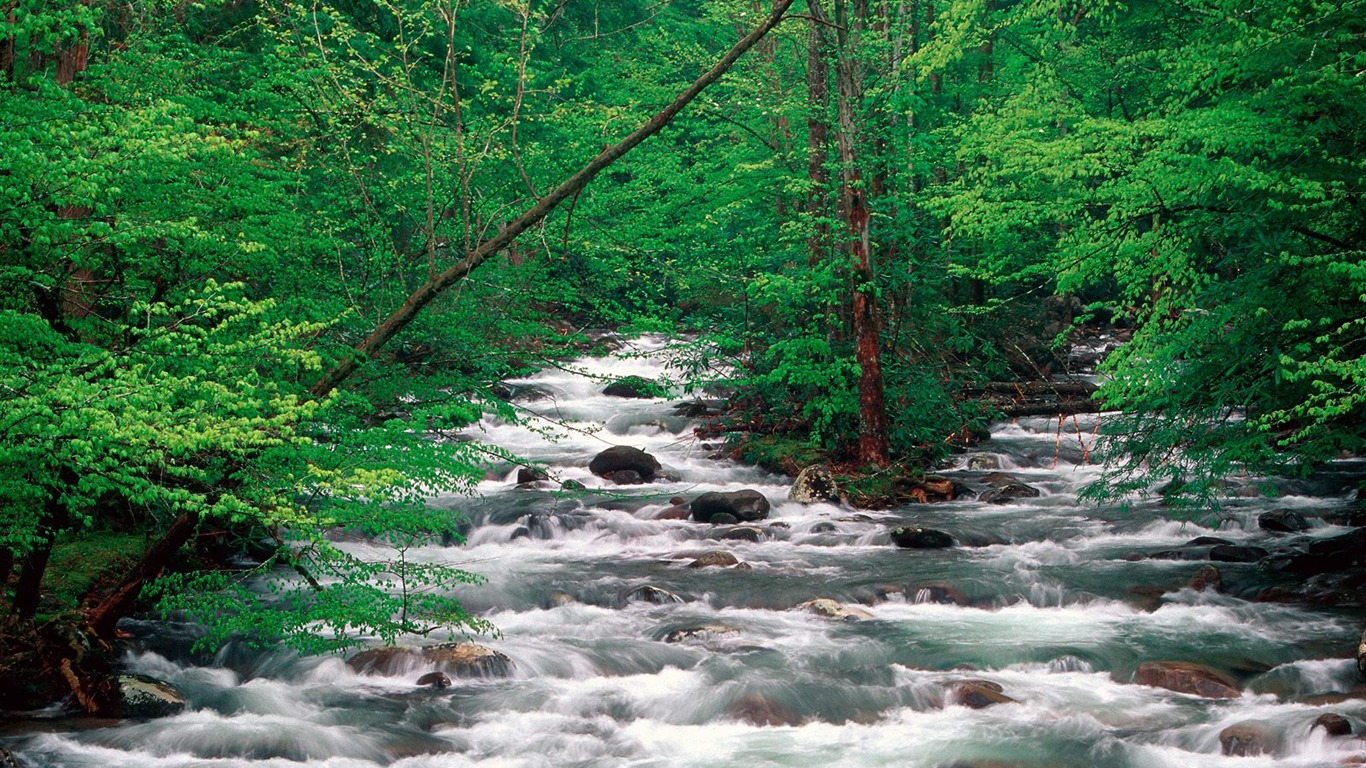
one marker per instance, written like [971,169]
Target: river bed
[1044,599]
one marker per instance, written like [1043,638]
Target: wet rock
[832,609]
[632,387]
[920,538]
[624,457]
[558,599]
[674,512]
[468,660]
[1361,655]
[1333,724]
[8,760]
[744,533]
[697,409]
[1207,577]
[825,526]
[984,461]
[702,632]
[146,697]
[940,594]
[1208,541]
[1184,677]
[746,506]
[1337,553]
[1282,521]
[652,594]
[814,484]
[724,518]
[459,659]
[1346,589]
[573,485]
[1231,553]
[1246,740]
[1006,488]
[757,709]
[715,559]
[627,477]
[529,475]
[437,680]
[978,694]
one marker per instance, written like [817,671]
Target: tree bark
[426,293]
[102,618]
[874,444]
[7,48]
[817,137]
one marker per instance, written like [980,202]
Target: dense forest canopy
[205,207]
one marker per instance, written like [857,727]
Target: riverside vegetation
[258,259]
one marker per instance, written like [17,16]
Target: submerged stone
[1184,677]
[745,506]
[921,538]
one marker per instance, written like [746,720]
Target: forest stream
[1016,647]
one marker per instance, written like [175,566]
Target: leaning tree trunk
[424,295]
[102,618]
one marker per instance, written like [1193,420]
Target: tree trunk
[28,589]
[817,137]
[874,443]
[102,618]
[424,295]
[7,48]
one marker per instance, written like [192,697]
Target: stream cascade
[1017,647]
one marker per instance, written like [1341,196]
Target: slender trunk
[486,249]
[817,137]
[28,589]
[874,444]
[7,47]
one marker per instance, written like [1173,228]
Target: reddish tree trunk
[102,618]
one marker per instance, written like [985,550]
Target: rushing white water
[1044,603]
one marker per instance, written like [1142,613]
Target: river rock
[627,477]
[632,387]
[757,709]
[744,533]
[1361,655]
[674,512]
[468,660]
[1333,724]
[459,659]
[529,475]
[1232,553]
[652,594]
[920,538]
[1184,677]
[573,485]
[746,506]
[984,461]
[1207,577]
[146,697]
[620,457]
[437,680]
[978,694]
[813,485]
[939,594]
[717,558]
[1282,521]
[832,609]
[1006,488]
[702,632]
[1246,740]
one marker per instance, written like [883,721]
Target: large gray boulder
[624,457]
[743,506]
